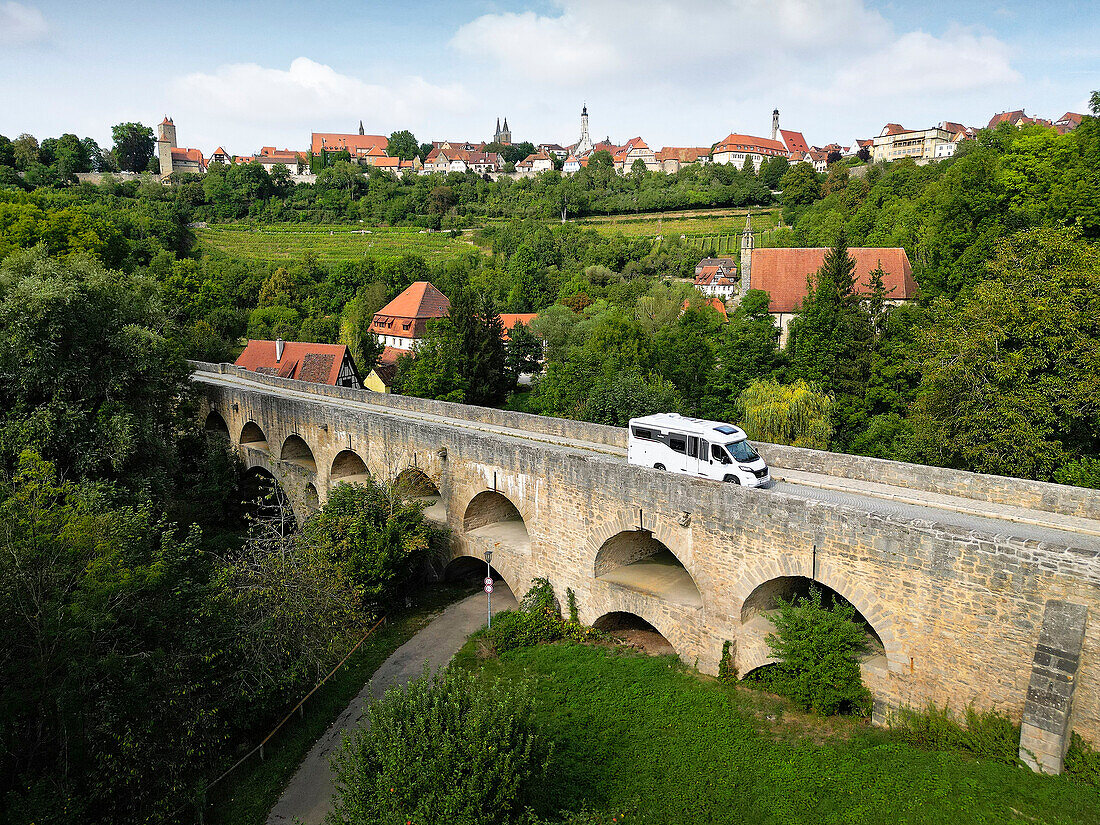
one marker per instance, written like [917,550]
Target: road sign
[488,582]
[488,588]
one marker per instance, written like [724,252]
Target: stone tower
[584,145]
[775,123]
[746,256]
[502,135]
[361,128]
[166,142]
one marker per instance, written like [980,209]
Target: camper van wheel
[729,479]
[658,466]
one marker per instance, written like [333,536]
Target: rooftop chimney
[279,344]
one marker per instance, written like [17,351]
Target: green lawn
[330,244]
[646,737]
[245,797]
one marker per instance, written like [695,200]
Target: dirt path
[308,797]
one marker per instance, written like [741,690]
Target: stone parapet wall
[1017,492]
[1037,495]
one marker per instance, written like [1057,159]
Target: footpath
[308,797]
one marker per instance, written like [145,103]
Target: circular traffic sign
[488,582]
[488,588]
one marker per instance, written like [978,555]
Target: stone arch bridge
[974,589]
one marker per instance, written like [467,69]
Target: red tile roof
[794,141]
[407,315]
[736,143]
[714,302]
[510,319]
[355,144]
[782,273]
[893,129]
[317,363]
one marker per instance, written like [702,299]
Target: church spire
[747,245]
[361,128]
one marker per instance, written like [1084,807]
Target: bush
[448,749]
[988,734]
[1082,762]
[818,647]
[537,621]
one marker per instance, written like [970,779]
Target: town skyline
[447,73]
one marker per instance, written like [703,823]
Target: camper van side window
[693,446]
[641,432]
[678,443]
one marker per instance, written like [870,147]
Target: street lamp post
[489,585]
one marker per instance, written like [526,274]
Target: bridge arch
[296,451]
[252,436]
[629,623]
[215,423]
[349,467]
[492,515]
[763,600]
[637,618]
[638,560]
[414,483]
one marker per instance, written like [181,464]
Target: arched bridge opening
[491,517]
[265,499]
[637,560]
[215,425]
[632,629]
[253,437]
[296,451]
[349,468]
[764,602]
[415,484]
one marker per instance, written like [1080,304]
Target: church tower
[584,144]
[746,256]
[775,123]
[503,135]
[361,128]
[166,142]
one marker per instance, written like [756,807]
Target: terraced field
[330,244]
[719,229]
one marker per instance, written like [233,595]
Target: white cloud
[918,63]
[813,49]
[21,25]
[312,96]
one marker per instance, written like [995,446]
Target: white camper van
[706,449]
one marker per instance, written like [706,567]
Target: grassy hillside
[710,228]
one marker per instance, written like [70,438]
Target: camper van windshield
[742,451]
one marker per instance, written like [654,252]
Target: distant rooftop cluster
[893,142]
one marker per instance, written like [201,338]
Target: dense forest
[142,591]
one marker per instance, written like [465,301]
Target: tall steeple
[584,144]
[775,123]
[747,245]
[361,128]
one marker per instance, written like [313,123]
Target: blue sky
[686,73]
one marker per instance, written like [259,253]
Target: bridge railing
[1018,492]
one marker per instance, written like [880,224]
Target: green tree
[524,351]
[133,146]
[376,534]
[797,414]
[402,144]
[1010,384]
[831,340]
[819,647]
[447,749]
[87,377]
[747,350]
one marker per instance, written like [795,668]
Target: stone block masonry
[962,616]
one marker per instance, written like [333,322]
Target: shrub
[818,647]
[1082,762]
[571,600]
[986,734]
[537,621]
[727,670]
[447,750]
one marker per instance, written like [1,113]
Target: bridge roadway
[970,514]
